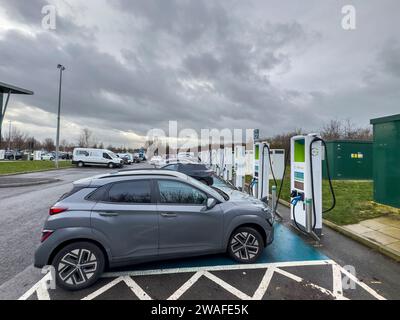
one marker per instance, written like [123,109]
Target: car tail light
[56,210]
[46,234]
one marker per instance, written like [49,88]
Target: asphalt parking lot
[291,268]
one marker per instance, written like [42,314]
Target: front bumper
[270,236]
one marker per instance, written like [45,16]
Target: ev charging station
[240,166]
[260,183]
[306,183]
[228,163]
[213,160]
[220,162]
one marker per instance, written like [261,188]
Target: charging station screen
[299,156]
[299,151]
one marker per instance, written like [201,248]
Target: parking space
[289,269]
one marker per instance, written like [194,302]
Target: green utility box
[386,167]
[349,160]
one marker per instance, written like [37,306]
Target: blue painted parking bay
[287,246]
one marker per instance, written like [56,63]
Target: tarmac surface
[293,267]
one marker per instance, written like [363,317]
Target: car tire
[245,245]
[80,164]
[110,165]
[78,265]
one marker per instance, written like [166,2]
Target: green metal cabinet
[349,160]
[386,167]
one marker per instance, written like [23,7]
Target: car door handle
[108,214]
[169,214]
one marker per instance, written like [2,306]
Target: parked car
[129,217]
[49,156]
[13,155]
[136,158]
[157,161]
[95,157]
[198,171]
[126,157]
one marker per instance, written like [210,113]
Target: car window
[100,194]
[106,156]
[82,153]
[180,193]
[220,183]
[173,167]
[130,192]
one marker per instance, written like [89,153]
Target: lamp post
[9,135]
[61,68]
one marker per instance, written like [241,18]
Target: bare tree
[48,144]
[18,140]
[332,130]
[84,138]
[282,141]
[346,130]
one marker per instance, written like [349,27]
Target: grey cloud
[27,12]
[202,63]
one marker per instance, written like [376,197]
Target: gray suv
[138,216]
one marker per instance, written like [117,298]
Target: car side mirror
[211,203]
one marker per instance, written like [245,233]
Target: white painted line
[178,293]
[227,286]
[362,284]
[136,289]
[289,275]
[103,289]
[34,288]
[263,287]
[42,292]
[219,268]
[299,279]
[337,280]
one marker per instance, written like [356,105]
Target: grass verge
[354,200]
[10,167]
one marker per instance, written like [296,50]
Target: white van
[95,157]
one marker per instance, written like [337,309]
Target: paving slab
[392,221]
[357,228]
[391,231]
[373,224]
[379,237]
[395,246]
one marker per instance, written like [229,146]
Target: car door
[186,225]
[128,218]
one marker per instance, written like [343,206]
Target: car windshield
[214,193]
[112,154]
[220,183]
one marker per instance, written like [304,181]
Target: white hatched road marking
[42,292]
[263,287]
[227,286]
[178,293]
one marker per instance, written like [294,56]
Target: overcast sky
[134,65]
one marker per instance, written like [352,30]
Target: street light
[9,135]
[62,68]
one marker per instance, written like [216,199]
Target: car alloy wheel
[245,245]
[78,265]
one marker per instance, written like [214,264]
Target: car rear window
[100,194]
[75,189]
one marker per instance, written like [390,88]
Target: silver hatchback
[145,215]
